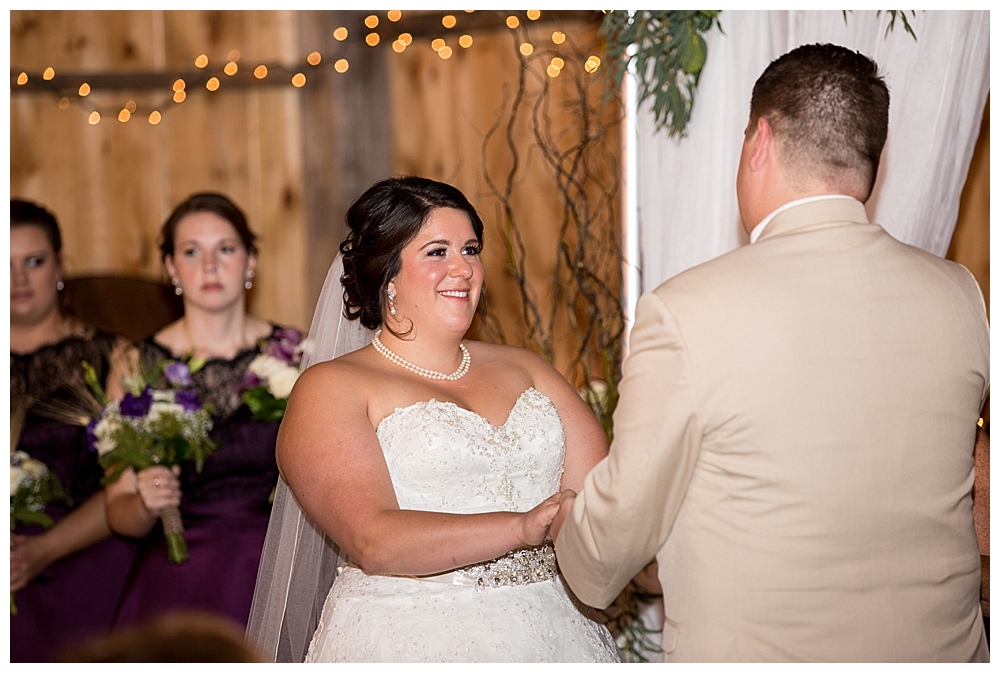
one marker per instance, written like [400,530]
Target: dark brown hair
[206,202]
[381,222]
[829,108]
[26,213]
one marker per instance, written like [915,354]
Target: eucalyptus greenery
[668,50]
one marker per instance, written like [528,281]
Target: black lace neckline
[170,355]
[84,332]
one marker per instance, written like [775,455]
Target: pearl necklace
[417,369]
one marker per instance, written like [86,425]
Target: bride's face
[441,276]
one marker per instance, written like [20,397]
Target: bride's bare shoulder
[345,373]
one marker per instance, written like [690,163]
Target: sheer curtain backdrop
[938,85]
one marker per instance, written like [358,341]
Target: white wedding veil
[299,562]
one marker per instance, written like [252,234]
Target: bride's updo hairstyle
[381,222]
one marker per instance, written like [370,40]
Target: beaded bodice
[444,458]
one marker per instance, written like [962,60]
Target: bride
[434,464]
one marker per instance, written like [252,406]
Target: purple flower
[250,380]
[289,334]
[283,350]
[188,399]
[178,374]
[136,407]
[91,436]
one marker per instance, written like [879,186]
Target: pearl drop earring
[177,287]
[249,283]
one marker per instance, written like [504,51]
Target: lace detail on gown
[448,459]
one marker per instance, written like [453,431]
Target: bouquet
[271,375]
[32,486]
[153,427]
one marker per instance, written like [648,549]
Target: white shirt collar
[759,229]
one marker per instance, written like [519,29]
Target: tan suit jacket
[794,445]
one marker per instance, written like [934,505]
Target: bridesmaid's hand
[533,525]
[158,488]
[26,560]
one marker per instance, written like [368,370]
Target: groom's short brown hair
[829,108]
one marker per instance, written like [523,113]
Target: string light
[124,115]
[299,80]
[406,38]
[558,37]
[398,46]
[63,103]
[231,68]
[553,71]
[513,22]
[22,79]
[314,58]
[260,72]
[84,89]
[533,14]
[155,117]
[372,39]
[340,34]
[371,21]
[341,65]
[448,21]
[437,44]
[130,106]
[558,63]
[48,74]
[94,117]
[179,96]
[395,15]
[179,85]
[201,61]
[592,64]
[465,41]
[526,48]
[212,84]
[234,55]
[445,52]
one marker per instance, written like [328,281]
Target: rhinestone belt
[526,565]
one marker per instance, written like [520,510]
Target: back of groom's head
[829,110]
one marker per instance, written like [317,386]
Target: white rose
[158,409]
[163,396]
[280,383]
[266,366]
[17,477]
[33,468]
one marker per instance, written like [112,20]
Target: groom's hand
[565,504]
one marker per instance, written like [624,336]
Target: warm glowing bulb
[558,37]
[553,71]
[341,65]
[48,74]
[299,80]
[513,22]
[212,84]
[372,39]
[437,44]
[558,63]
[590,66]
[124,115]
[22,78]
[469,11]
[201,61]
[448,21]
[155,117]
[314,58]
[94,117]
[234,55]
[179,85]
[398,47]
[533,14]
[406,39]
[230,68]
[395,15]
[84,89]
[465,41]
[63,103]
[179,96]
[526,48]
[445,52]
[260,72]
[130,106]
[371,21]
[340,34]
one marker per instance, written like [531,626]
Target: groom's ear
[761,145]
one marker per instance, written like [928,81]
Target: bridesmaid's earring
[60,285]
[177,287]
[249,283]
[392,305]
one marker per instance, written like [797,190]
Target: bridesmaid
[209,253]
[67,579]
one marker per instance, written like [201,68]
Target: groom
[793,441]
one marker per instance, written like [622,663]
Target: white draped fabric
[938,85]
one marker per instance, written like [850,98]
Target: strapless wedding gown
[444,458]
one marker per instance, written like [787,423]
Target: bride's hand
[533,525]
[158,488]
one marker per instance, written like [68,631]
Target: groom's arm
[623,514]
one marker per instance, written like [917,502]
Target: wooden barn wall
[112,185]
